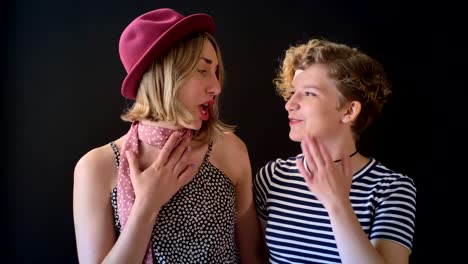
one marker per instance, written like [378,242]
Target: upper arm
[246,216]
[92,210]
[248,230]
[242,174]
[393,229]
[392,251]
[261,186]
[263,231]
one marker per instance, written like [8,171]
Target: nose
[214,87]
[291,104]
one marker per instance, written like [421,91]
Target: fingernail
[192,165]
[189,148]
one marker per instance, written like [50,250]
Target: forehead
[315,75]
[209,52]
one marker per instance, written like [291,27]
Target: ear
[351,112]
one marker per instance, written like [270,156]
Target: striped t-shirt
[298,227]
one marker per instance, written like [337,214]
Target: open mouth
[204,113]
[204,109]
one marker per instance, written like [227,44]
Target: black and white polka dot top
[198,224]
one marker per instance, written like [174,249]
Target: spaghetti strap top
[197,225]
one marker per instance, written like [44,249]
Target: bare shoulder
[97,167]
[233,143]
[229,146]
[230,154]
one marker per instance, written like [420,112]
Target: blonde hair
[156,98]
[357,76]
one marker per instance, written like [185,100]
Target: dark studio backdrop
[63,76]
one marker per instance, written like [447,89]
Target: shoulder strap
[208,152]
[116,153]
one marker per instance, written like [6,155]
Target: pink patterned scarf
[155,136]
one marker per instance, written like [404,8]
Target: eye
[202,71]
[310,94]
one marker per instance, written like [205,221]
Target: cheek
[320,112]
[186,97]
[185,92]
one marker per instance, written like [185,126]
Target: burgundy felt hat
[149,35]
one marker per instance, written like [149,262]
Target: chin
[194,125]
[295,137]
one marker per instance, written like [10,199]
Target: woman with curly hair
[330,203]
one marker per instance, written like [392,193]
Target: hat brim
[187,25]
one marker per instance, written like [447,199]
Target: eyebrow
[307,86]
[206,60]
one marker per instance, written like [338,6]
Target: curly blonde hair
[357,76]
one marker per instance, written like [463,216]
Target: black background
[62,98]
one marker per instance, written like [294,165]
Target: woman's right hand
[171,170]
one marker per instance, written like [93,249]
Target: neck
[162,124]
[338,147]
[352,154]
[358,162]
[155,135]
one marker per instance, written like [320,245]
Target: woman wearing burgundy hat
[177,187]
